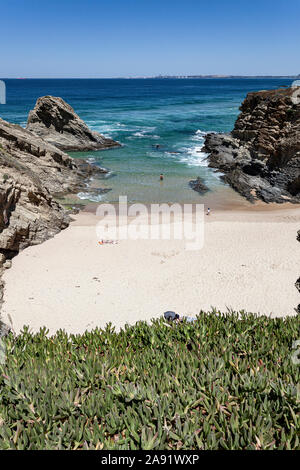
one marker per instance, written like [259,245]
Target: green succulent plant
[226,381]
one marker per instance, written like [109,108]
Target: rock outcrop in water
[56,122]
[198,185]
[261,156]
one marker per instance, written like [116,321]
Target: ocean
[174,114]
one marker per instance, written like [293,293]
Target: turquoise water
[141,114]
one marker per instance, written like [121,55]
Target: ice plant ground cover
[226,381]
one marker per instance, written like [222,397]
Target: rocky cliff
[57,171]
[32,172]
[56,121]
[261,156]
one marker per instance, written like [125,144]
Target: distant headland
[292,77]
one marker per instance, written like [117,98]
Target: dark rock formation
[32,172]
[56,122]
[261,156]
[198,185]
[57,171]
[28,212]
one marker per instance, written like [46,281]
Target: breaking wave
[90,197]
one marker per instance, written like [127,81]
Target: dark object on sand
[198,185]
[171,316]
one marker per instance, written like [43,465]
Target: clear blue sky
[96,38]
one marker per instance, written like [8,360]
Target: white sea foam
[193,155]
[200,135]
[218,174]
[140,134]
[90,197]
[108,129]
[144,135]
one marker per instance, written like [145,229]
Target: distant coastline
[155,77]
[217,76]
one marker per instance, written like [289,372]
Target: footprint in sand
[165,255]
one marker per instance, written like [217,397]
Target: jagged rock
[28,212]
[198,185]
[32,172]
[57,171]
[261,156]
[56,121]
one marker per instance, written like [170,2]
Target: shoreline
[250,212]
[71,282]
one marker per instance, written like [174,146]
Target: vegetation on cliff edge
[227,381]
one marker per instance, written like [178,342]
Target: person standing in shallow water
[161,177]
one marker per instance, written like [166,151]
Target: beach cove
[249,262]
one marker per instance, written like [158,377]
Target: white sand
[250,260]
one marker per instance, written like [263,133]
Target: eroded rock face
[55,169]
[261,157]
[32,172]
[28,212]
[56,121]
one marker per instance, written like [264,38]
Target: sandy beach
[250,260]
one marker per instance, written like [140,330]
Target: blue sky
[112,38]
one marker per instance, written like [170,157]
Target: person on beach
[208,211]
[172,316]
[161,177]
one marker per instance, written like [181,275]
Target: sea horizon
[165,77]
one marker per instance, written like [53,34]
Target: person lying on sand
[174,317]
[107,242]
